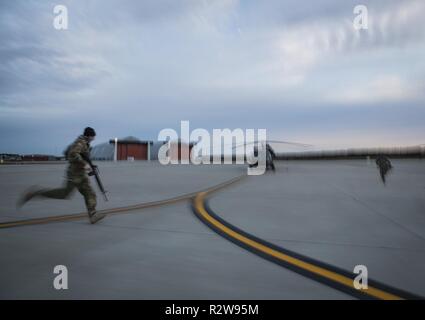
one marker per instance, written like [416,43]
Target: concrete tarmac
[334,211]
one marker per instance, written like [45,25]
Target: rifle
[95,172]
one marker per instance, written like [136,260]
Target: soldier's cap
[89,132]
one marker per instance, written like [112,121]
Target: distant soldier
[384,165]
[270,156]
[78,155]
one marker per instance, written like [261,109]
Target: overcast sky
[297,68]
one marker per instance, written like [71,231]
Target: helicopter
[251,156]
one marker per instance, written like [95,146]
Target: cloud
[382,89]
[319,40]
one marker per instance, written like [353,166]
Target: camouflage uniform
[76,176]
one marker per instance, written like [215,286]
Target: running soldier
[384,165]
[78,155]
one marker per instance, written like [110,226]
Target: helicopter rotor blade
[291,143]
[276,141]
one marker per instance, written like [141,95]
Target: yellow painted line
[374,292]
[113,211]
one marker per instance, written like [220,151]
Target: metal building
[128,148]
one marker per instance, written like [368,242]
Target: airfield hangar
[131,148]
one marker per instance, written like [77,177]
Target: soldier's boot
[95,216]
[27,196]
